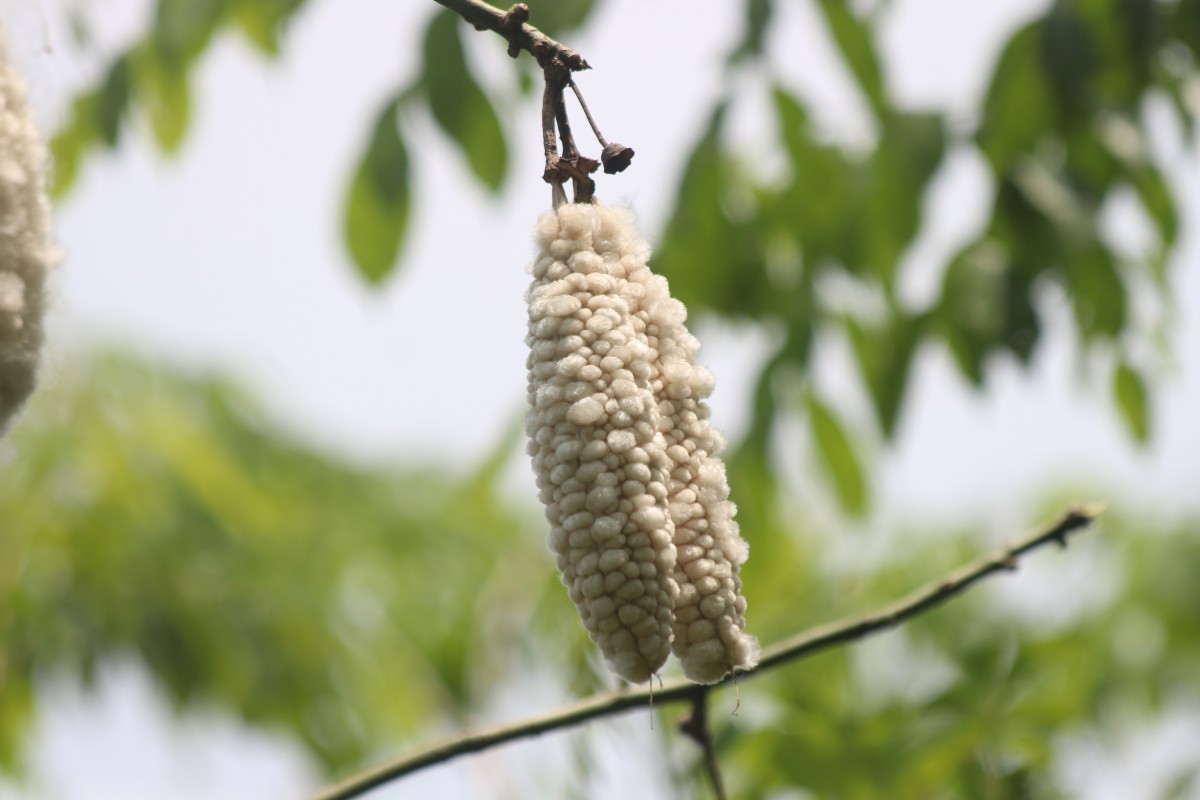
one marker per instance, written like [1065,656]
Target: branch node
[516,16]
[540,49]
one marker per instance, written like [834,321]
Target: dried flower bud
[616,157]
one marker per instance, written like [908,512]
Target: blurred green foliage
[159,515]
[981,698]
[150,78]
[156,515]
[1062,130]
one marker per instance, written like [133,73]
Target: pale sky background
[230,257]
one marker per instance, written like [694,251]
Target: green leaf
[853,38]
[1129,391]
[163,92]
[696,244]
[885,355]
[71,143]
[183,28]
[1187,25]
[986,304]
[1142,26]
[459,105]
[1097,292]
[758,15]
[1152,191]
[1069,59]
[264,20]
[95,118]
[818,203]
[112,101]
[837,454]
[1018,110]
[906,158]
[378,205]
[1090,163]
[711,261]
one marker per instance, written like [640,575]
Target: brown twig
[800,646]
[557,62]
[552,101]
[695,725]
[520,35]
[572,164]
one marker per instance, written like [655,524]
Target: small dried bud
[616,157]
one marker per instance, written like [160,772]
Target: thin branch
[696,726]
[587,112]
[800,646]
[552,100]
[615,157]
[520,35]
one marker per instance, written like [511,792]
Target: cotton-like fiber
[25,250]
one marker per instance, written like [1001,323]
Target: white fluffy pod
[592,424]
[613,455]
[710,612]
[25,250]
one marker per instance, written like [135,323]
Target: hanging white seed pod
[597,451]
[610,462]
[25,250]
[710,612]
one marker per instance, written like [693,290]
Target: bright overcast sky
[230,255]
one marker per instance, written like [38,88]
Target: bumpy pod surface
[25,250]
[710,612]
[622,449]
[597,452]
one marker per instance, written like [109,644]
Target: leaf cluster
[1063,131]
[150,79]
[158,517]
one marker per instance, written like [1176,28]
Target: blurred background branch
[793,649]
